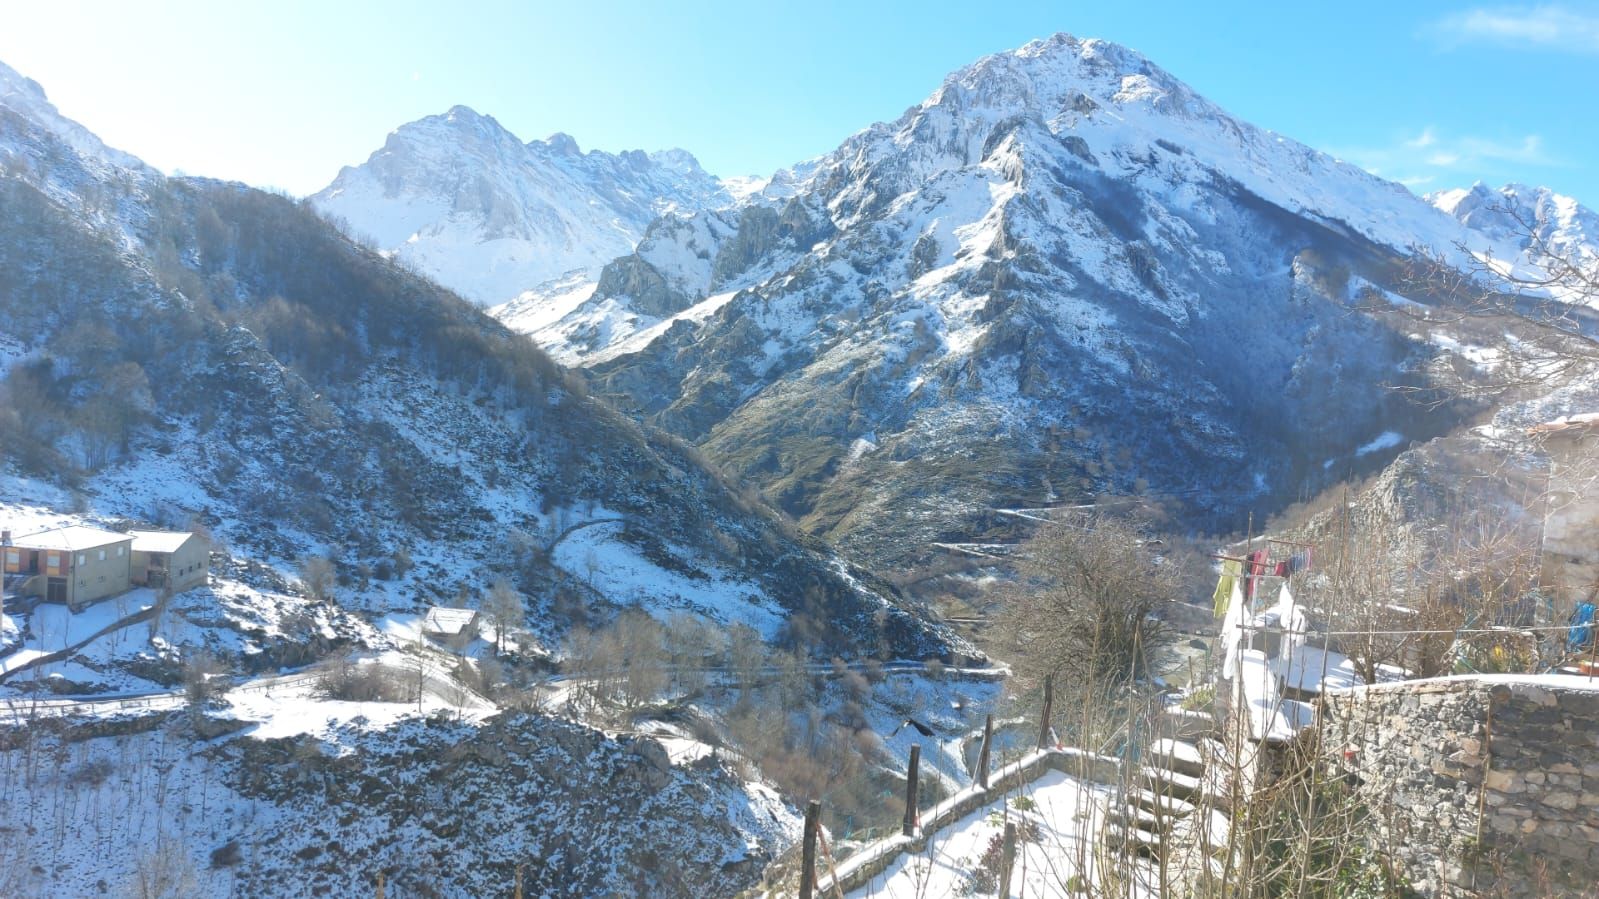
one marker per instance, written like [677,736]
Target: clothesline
[1394,633]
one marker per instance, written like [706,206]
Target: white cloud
[1425,139]
[1548,27]
[1427,156]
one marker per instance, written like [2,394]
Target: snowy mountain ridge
[26,98]
[470,204]
[1521,222]
[1055,236]
[1113,96]
[1100,99]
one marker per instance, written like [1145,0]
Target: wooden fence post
[813,826]
[380,885]
[982,754]
[519,881]
[1049,702]
[1007,859]
[911,776]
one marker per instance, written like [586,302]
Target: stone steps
[1160,804]
[1171,783]
[1143,842]
[1177,756]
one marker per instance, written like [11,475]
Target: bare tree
[689,643]
[506,605]
[202,679]
[318,575]
[746,653]
[1084,608]
[166,872]
[637,638]
[1546,301]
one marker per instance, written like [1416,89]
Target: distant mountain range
[1063,275]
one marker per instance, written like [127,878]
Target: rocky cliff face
[488,216]
[1063,275]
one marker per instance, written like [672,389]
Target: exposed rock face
[635,278]
[439,808]
[1062,275]
[1478,786]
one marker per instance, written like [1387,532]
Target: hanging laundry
[1232,632]
[1281,570]
[1299,561]
[1224,585]
[1256,568]
[1291,618]
[1582,622]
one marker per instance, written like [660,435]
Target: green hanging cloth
[1230,570]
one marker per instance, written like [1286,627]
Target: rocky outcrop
[636,279]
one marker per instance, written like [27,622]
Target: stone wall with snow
[1478,786]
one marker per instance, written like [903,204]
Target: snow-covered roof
[440,620]
[70,538]
[158,541]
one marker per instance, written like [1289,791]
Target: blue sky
[282,94]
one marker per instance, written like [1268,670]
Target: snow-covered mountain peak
[1509,218]
[1120,114]
[1061,80]
[677,160]
[462,126]
[562,144]
[13,82]
[1483,207]
[465,200]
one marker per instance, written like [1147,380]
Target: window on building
[83,558]
[119,551]
[102,556]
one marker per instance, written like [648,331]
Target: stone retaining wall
[1480,786]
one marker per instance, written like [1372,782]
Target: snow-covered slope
[489,216]
[326,401]
[24,97]
[1063,274]
[185,352]
[1521,227]
[105,189]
